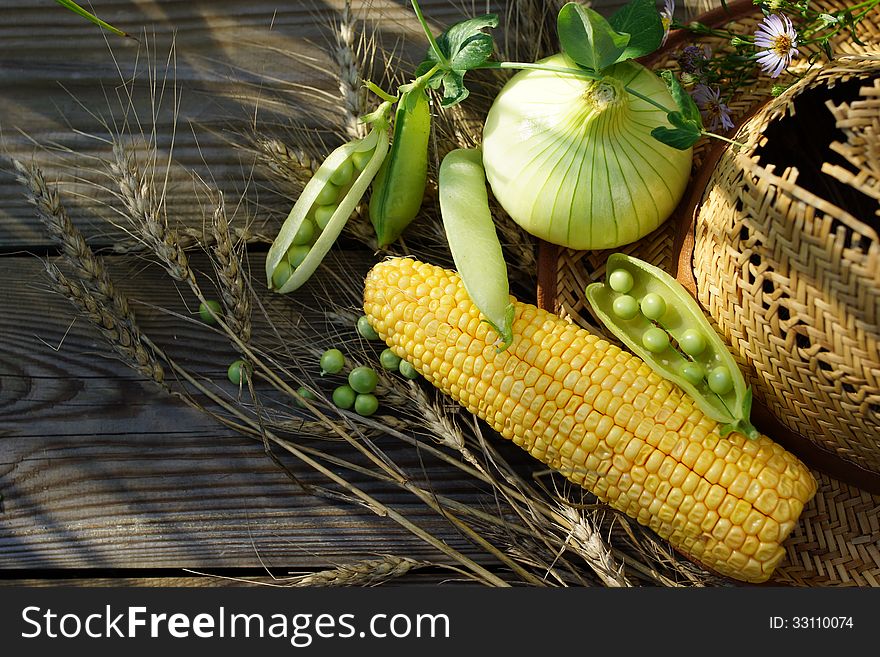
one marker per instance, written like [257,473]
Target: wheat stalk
[234,290]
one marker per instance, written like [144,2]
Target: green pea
[342,176]
[621,281]
[365,330]
[305,233]
[344,396]
[332,361]
[366,404]
[328,194]
[653,306]
[692,342]
[237,371]
[282,272]
[296,255]
[720,381]
[655,340]
[360,158]
[389,360]
[399,187]
[693,372]
[407,370]
[363,379]
[305,393]
[208,309]
[625,307]
[323,215]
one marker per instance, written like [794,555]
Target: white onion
[572,160]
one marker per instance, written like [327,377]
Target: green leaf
[464,45]
[641,20]
[75,8]
[588,38]
[454,90]
[681,138]
[682,98]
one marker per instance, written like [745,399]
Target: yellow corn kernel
[601,417]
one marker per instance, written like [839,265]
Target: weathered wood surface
[100,469]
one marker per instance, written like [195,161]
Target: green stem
[645,98]
[723,138]
[420,81]
[436,48]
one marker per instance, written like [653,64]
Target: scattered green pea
[621,281]
[389,360]
[305,234]
[281,274]
[655,339]
[366,404]
[323,215]
[720,381]
[332,361]
[206,308]
[693,372]
[237,371]
[342,175]
[692,342]
[328,194]
[365,329]
[407,370]
[625,307]
[653,306]
[360,158]
[305,393]
[344,396]
[296,255]
[363,379]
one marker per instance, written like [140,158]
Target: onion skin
[573,162]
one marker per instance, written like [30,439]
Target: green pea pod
[473,240]
[320,192]
[644,307]
[400,184]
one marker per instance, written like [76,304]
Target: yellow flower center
[782,45]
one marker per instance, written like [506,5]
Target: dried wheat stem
[346,57]
[145,211]
[51,212]
[291,167]
[368,572]
[586,541]
[122,334]
[234,290]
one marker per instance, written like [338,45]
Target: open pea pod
[653,315]
[327,201]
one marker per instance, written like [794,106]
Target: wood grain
[100,469]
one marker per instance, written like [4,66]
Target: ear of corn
[601,417]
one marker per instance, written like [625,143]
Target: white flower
[778,39]
[666,15]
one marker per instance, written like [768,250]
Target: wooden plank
[100,469]
[60,77]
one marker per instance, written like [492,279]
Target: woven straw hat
[715,245]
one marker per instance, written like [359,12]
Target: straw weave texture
[837,541]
